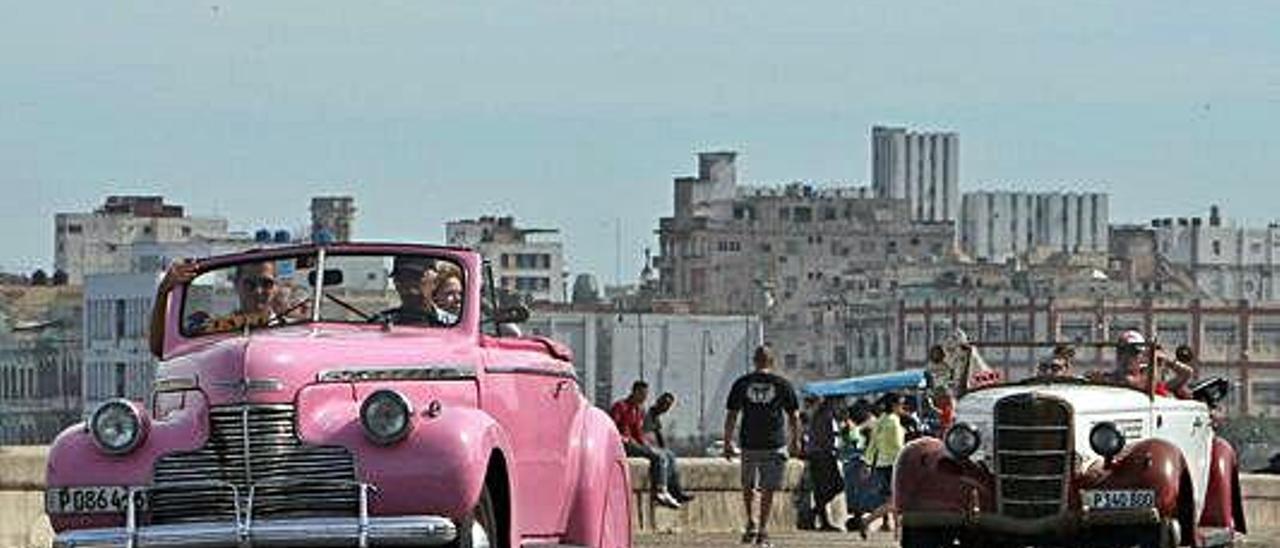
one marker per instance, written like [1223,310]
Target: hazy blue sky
[576,114]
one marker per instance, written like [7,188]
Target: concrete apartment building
[40,362]
[39,388]
[921,168]
[787,253]
[99,241]
[998,226]
[117,359]
[1227,261]
[332,218]
[528,261]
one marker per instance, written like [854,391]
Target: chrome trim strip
[176,384]
[245,445]
[533,370]
[244,386]
[416,373]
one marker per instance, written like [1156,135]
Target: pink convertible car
[344,395]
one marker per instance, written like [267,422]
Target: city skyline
[245,111]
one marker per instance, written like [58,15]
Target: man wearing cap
[1131,367]
[415,281]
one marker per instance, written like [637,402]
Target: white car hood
[1090,404]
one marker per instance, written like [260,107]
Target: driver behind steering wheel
[415,280]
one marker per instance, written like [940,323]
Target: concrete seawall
[718,506]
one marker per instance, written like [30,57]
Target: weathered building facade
[787,253]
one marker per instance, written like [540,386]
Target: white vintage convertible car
[1063,461]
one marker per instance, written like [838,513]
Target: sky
[576,115]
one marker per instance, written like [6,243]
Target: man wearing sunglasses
[257,294]
[257,289]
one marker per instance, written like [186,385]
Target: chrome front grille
[253,447]
[1033,455]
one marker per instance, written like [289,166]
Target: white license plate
[1119,498]
[90,500]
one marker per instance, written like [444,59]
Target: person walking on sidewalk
[628,415]
[881,454]
[770,427]
[821,469]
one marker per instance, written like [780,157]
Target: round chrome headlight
[962,440]
[117,427]
[386,417]
[1106,439]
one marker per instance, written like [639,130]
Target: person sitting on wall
[628,416]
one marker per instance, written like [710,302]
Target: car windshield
[406,289]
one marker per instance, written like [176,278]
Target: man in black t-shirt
[770,426]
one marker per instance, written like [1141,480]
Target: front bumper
[381,531]
[246,531]
[981,522]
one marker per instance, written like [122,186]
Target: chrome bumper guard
[245,532]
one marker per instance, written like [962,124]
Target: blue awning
[910,379]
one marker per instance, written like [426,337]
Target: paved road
[1262,539]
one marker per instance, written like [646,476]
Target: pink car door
[537,404]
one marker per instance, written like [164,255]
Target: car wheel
[1164,535]
[480,529]
[922,537]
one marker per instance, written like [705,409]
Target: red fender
[927,479]
[1148,464]
[1222,506]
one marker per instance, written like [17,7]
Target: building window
[1217,248]
[828,213]
[75,229]
[784,213]
[122,379]
[789,361]
[506,261]
[120,319]
[802,215]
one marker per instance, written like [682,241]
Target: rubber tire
[485,516]
[921,537]
[1158,536]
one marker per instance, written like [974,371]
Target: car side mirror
[512,314]
[1211,391]
[332,277]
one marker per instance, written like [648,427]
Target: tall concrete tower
[332,217]
[923,168]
